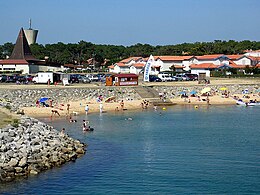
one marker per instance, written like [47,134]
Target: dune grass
[7,118]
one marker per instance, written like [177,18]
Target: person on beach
[51,102]
[101,107]
[208,100]
[116,109]
[55,112]
[62,132]
[85,125]
[122,104]
[142,105]
[68,108]
[86,109]
[38,103]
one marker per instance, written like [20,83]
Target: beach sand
[78,107]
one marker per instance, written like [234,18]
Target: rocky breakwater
[32,147]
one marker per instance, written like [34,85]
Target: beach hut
[122,80]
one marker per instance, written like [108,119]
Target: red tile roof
[234,57]
[178,67]
[172,58]
[254,58]
[112,66]
[13,61]
[120,64]
[129,59]
[210,57]
[234,65]
[203,66]
[138,65]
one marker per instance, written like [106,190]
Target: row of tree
[81,52]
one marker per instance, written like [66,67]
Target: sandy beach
[77,107]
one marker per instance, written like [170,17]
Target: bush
[15,122]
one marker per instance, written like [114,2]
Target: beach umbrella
[44,99]
[193,92]
[223,88]
[205,90]
[258,90]
[182,93]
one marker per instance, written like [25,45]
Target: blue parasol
[182,93]
[193,92]
[44,99]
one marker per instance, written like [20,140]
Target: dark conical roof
[22,49]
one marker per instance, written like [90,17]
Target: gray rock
[23,162]
[33,172]
[13,162]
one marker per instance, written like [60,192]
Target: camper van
[44,77]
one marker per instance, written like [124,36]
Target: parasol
[193,92]
[44,99]
[205,90]
[223,88]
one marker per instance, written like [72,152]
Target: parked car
[154,78]
[100,76]
[74,78]
[174,78]
[3,78]
[92,77]
[21,79]
[84,79]
[192,77]
[10,79]
[165,77]
[181,77]
[29,78]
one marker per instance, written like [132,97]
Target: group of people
[144,104]
[85,127]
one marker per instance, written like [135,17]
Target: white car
[165,77]
[92,78]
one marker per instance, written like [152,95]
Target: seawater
[180,150]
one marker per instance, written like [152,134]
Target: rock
[23,162]
[80,151]
[13,162]
[18,169]
[33,172]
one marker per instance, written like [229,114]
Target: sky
[128,22]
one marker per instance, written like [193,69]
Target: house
[195,64]
[136,68]
[167,62]
[252,53]
[204,68]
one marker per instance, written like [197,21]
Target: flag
[147,68]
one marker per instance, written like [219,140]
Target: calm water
[213,150]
